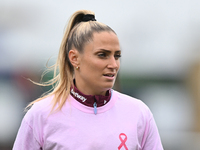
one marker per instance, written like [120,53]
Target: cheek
[95,63]
[118,64]
[91,65]
[97,66]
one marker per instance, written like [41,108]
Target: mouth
[109,75]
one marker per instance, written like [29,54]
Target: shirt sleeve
[25,139]
[151,139]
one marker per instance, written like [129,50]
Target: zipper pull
[95,108]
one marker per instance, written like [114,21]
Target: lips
[109,75]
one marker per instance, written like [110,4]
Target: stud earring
[77,68]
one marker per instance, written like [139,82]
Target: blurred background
[160,62]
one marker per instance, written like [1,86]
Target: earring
[77,67]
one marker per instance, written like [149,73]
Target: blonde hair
[76,35]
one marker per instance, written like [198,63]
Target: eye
[102,55]
[117,56]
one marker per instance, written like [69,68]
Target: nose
[113,63]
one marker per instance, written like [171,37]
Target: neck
[87,90]
[89,100]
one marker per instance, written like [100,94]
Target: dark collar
[89,100]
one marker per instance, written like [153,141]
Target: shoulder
[128,99]
[41,108]
[132,104]
[44,104]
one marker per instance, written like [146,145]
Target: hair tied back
[88,17]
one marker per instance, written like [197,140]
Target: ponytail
[78,32]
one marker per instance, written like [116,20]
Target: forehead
[105,40]
[105,37]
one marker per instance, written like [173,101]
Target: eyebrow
[108,51]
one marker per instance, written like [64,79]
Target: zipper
[95,108]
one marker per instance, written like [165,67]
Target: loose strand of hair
[62,71]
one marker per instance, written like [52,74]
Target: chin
[108,86]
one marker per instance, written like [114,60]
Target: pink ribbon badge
[123,141]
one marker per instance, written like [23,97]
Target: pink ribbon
[123,141]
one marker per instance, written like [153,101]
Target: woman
[83,112]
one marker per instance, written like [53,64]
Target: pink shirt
[124,123]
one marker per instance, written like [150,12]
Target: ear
[74,57]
